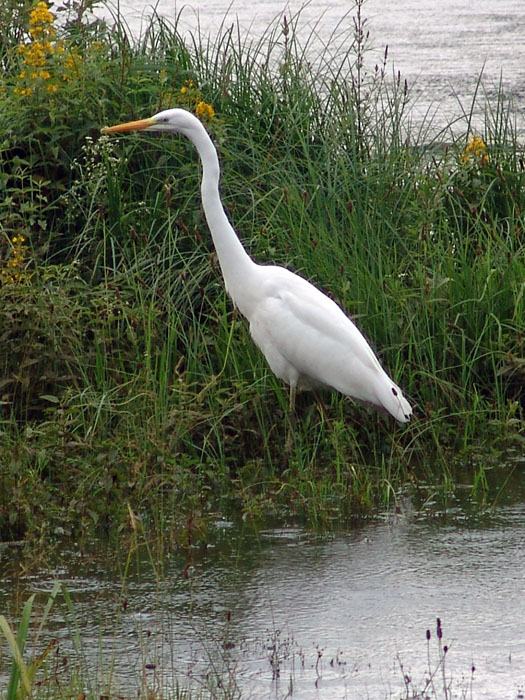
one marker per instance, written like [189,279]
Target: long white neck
[236,265]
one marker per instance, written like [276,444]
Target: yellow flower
[476,145]
[14,269]
[35,53]
[475,149]
[204,110]
[38,53]
[41,15]
[24,92]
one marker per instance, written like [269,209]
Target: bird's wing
[300,329]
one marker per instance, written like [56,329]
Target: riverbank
[131,389]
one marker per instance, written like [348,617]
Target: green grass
[127,379]
[23,675]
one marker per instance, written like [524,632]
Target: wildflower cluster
[191,97]
[91,169]
[47,62]
[475,151]
[204,111]
[14,269]
[37,53]
[41,21]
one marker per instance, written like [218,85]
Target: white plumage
[306,338]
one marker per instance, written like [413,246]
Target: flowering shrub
[54,80]
[47,61]
[14,268]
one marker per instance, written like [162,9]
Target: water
[441,52]
[332,616]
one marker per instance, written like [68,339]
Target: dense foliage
[128,383]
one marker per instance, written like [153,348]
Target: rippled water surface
[339,616]
[440,48]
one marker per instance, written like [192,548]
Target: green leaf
[16,645]
[50,398]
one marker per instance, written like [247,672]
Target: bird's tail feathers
[390,397]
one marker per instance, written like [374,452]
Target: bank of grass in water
[131,386]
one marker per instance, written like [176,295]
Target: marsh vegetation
[130,387]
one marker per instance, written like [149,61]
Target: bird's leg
[291,420]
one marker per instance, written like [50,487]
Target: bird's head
[176,120]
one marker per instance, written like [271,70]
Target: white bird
[306,338]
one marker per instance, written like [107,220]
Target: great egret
[306,338]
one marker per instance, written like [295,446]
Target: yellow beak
[129,126]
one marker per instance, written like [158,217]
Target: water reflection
[328,617]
